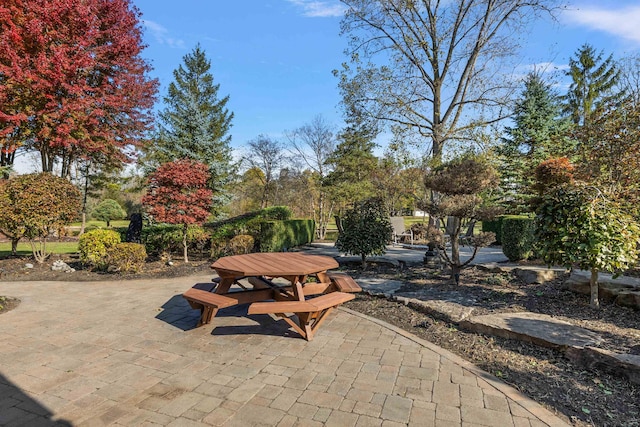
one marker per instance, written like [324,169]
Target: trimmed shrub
[517,236]
[250,223]
[282,213]
[122,231]
[241,244]
[277,236]
[127,257]
[495,226]
[94,246]
[161,238]
[198,239]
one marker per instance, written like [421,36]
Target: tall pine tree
[538,132]
[593,83]
[195,123]
[353,161]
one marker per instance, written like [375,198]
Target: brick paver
[126,353]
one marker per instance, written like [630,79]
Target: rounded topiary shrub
[94,247]
[517,237]
[494,225]
[241,244]
[127,257]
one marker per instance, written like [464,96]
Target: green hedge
[168,238]
[495,225]
[249,223]
[277,236]
[517,236]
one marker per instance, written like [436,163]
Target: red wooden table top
[276,264]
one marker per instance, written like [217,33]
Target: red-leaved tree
[72,81]
[178,194]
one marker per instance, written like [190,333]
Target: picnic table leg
[297,291]
[206,315]
[323,277]
[225,285]
[304,319]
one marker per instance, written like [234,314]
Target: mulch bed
[581,397]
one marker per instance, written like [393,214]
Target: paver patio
[124,353]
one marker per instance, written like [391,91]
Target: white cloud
[621,22]
[161,34]
[546,67]
[547,70]
[319,9]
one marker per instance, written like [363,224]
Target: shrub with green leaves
[198,239]
[94,247]
[517,237]
[241,244]
[367,230]
[579,226]
[127,257]
[281,213]
[250,223]
[167,238]
[276,236]
[34,206]
[494,226]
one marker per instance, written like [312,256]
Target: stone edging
[529,404]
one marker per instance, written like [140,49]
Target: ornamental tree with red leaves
[178,194]
[72,81]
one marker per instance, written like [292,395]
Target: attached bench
[311,313]
[343,282]
[207,302]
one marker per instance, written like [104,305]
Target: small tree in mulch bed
[577,225]
[178,194]
[366,230]
[459,188]
[108,210]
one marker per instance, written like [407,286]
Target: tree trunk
[453,229]
[322,227]
[364,262]
[184,243]
[14,245]
[455,274]
[593,282]
[84,222]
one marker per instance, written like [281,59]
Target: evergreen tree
[537,134]
[353,161]
[593,83]
[195,123]
[366,230]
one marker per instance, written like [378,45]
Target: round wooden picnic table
[294,266]
[274,264]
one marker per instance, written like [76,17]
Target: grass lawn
[24,248]
[102,224]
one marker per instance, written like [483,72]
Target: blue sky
[274,58]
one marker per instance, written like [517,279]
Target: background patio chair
[399,231]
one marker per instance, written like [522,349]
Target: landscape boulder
[625,290]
